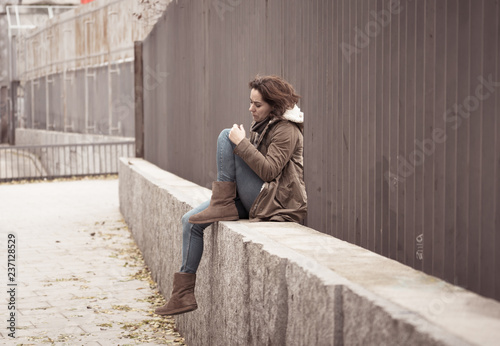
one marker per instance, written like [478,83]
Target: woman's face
[259,108]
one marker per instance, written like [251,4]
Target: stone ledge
[282,283]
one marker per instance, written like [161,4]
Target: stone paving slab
[76,268]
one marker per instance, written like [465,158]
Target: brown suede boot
[222,206]
[182,299]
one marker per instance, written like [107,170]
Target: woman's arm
[279,152]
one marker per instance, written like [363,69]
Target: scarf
[258,128]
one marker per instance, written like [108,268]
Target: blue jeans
[230,167]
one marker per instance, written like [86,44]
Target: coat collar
[260,137]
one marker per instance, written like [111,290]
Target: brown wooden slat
[474,149]
[419,116]
[363,200]
[450,174]
[497,166]
[437,133]
[394,101]
[462,132]
[386,131]
[372,137]
[379,169]
[408,175]
[490,61]
[402,118]
[337,136]
[428,100]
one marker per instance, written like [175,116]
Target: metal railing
[62,160]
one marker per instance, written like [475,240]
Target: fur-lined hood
[294,115]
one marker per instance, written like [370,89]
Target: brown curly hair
[277,92]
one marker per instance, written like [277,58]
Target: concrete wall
[101,103]
[99,33]
[282,283]
[95,158]
[76,70]
[43,137]
[4,46]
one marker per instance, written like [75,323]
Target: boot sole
[178,311]
[229,218]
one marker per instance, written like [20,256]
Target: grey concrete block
[285,284]
[368,319]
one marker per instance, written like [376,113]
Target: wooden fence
[401,102]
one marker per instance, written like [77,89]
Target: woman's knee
[185,218]
[224,135]
[187,227]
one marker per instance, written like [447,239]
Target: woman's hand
[237,134]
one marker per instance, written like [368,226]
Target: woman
[261,178]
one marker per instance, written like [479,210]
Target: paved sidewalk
[80,278]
